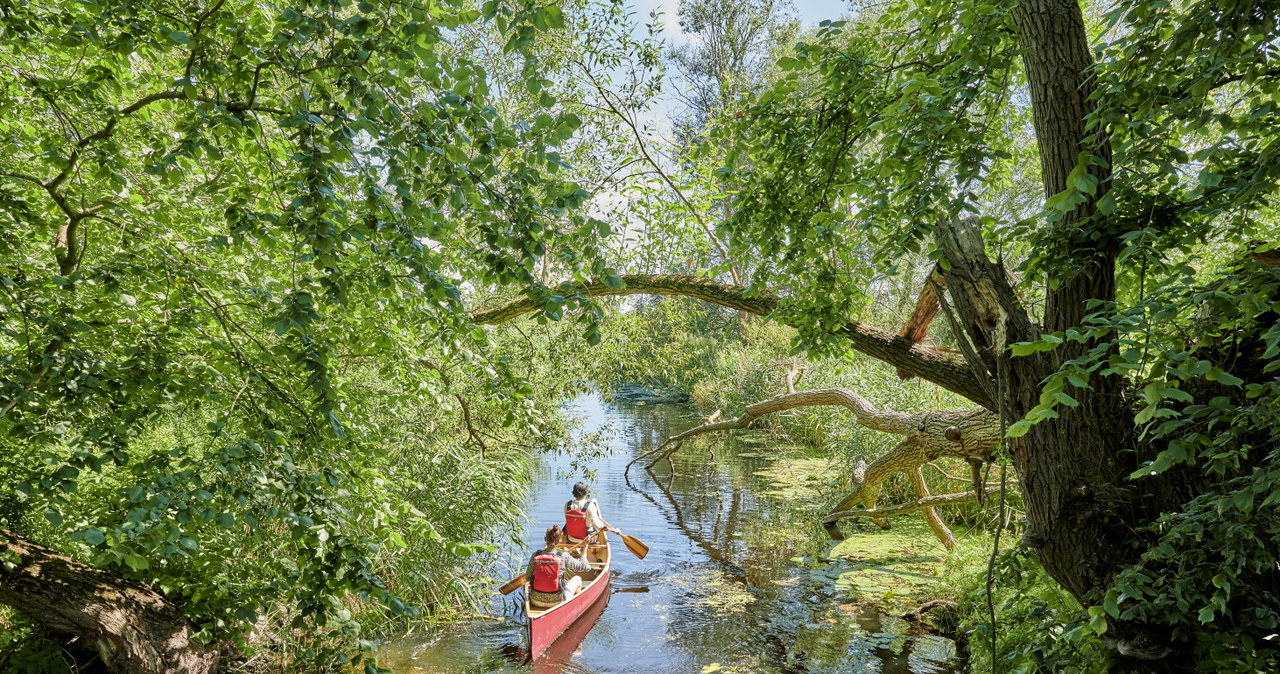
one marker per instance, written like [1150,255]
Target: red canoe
[546,625]
[559,654]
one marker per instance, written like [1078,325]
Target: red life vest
[575,519]
[546,572]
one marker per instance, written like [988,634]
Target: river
[734,582]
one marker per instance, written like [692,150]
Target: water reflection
[718,588]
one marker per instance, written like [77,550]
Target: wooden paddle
[635,545]
[512,584]
[519,581]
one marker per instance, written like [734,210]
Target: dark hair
[553,534]
[580,490]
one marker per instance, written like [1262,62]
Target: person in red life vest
[582,516]
[552,572]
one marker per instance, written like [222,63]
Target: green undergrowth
[1039,627]
[25,649]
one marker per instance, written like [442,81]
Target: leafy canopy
[232,234]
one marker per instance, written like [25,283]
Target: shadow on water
[727,585]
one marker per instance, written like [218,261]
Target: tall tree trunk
[133,629]
[1067,466]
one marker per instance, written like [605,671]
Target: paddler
[552,572]
[582,515]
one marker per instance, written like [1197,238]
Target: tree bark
[133,629]
[1067,466]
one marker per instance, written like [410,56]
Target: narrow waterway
[730,583]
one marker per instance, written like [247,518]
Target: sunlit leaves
[276,209]
[863,143]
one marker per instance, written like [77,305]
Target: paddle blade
[513,584]
[635,545]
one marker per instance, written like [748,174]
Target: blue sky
[809,11]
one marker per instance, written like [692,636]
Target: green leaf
[1223,377]
[1018,429]
[1111,605]
[1097,620]
[94,536]
[1086,183]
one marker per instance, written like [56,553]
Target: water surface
[731,582]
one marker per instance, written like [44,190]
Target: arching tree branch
[936,365]
[866,414]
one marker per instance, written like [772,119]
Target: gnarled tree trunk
[132,628]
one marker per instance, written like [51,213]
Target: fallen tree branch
[132,627]
[946,619]
[866,414]
[966,434]
[940,528]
